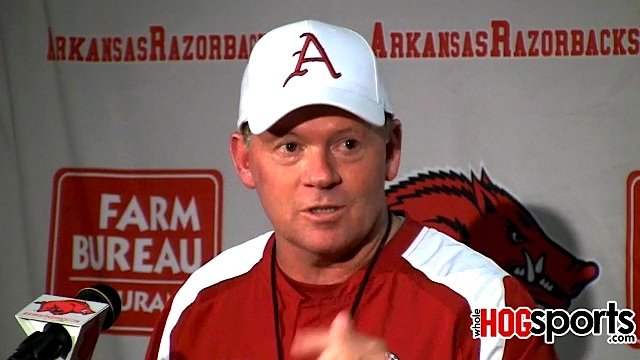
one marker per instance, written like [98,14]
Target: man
[340,277]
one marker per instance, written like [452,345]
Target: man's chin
[335,251]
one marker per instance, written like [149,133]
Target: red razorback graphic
[491,221]
[62,307]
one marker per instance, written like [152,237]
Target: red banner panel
[143,232]
[633,248]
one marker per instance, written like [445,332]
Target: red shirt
[418,299]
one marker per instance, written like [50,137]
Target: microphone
[59,327]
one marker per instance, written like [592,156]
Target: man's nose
[320,170]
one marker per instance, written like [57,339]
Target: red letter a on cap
[310,38]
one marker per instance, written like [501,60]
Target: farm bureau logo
[493,222]
[143,232]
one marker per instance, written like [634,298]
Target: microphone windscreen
[104,294]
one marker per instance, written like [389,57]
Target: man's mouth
[323,209]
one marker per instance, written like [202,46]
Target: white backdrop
[559,133]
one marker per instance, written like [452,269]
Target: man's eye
[351,144]
[290,147]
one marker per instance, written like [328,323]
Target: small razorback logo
[62,307]
[493,222]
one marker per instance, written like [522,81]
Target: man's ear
[240,156]
[394,150]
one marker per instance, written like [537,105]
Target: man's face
[319,173]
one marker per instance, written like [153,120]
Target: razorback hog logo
[491,221]
[62,307]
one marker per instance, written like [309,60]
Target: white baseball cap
[311,62]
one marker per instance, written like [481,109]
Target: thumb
[341,326]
